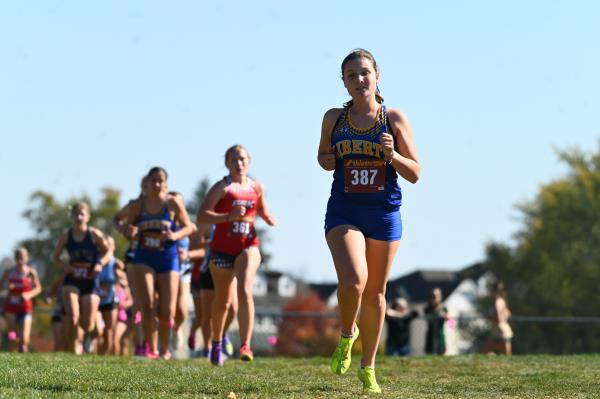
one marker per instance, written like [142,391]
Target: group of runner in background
[101,303]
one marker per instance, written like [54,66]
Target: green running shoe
[342,357]
[366,375]
[227,346]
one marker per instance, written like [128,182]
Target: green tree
[554,268]
[49,218]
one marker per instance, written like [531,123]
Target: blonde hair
[80,205]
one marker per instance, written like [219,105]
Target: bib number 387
[364,176]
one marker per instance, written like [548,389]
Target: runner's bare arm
[186,225]
[120,218]
[326,156]
[404,157]
[58,250]
[100,241]
[262,208]
[207,213]
[37,286]
[132,211]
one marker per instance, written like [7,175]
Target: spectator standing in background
[398,318]
[437,314]
[500,341]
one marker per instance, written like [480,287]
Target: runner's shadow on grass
[56,388]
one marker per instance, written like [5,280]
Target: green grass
[62,375]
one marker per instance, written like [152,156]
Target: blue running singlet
[152,250]
[108,284]
[365,191]
[185,266]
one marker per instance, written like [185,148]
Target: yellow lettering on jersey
[378,150]
[338,148]
[153,225]
[346,147]
[368,148]
[357,146]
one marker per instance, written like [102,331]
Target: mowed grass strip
[63,375]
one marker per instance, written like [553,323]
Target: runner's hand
[95,271]
[326,160]
[387,142]
[236,213]
[270,220]
[68,269]
[168,234]
[131,232]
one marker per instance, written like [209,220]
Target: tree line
[553,269]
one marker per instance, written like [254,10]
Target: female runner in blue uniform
[109,301]
[183,293]
[367,146]
[88,253]
[152,219]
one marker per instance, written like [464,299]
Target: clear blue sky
[92,94]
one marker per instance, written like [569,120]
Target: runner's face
[238,162]
[20,259]
[157,183]
[360,78]
[80,216]
[436,296]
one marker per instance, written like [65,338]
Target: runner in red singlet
[232,205]
[23,284]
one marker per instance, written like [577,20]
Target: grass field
[61,375]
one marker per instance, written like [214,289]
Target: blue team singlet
[161,255]
[185,266]
[365,191]
[108,284]
[83,256]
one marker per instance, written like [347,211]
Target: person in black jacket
[398,318]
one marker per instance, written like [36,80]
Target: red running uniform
[233,237]
[18,283]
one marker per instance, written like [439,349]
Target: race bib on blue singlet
[364,176]
[152,241]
